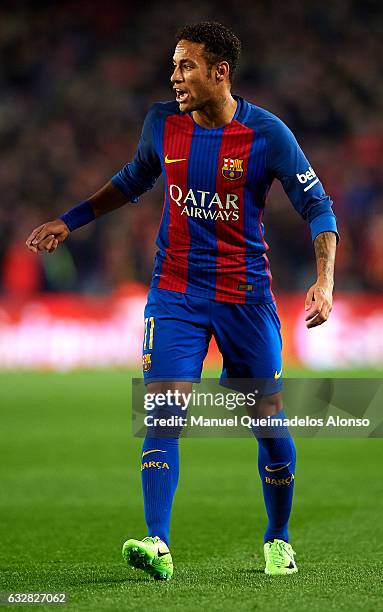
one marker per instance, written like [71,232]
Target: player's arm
[127,185]
[48,236]
[288,163]
[318,304]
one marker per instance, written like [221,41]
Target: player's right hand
[48,236]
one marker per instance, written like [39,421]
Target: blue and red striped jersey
[211,237]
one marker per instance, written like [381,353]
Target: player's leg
[175,344]
[160,461]
[276,466]
[159,475]
[249,339]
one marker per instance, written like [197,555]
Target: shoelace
[278,551]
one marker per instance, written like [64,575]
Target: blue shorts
[179,327]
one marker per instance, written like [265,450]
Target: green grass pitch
[70,495]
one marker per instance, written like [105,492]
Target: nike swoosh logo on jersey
[278,374]
[276,469]
[156,450]
[173,161]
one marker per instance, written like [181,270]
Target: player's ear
[222,71]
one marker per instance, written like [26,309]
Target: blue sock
[276,465]
[159,474]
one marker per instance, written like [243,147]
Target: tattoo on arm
[325,248]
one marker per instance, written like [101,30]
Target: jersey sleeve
[287,162]
[141,173]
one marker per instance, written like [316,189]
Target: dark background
[77,78]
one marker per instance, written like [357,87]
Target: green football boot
[279,557]
[151,555]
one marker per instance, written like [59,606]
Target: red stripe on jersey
[231,244]
[177,141]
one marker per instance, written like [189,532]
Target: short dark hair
[221,44]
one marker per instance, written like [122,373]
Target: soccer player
[219,155]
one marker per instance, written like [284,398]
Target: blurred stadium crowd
[78,77]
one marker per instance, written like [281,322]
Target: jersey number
[149,330]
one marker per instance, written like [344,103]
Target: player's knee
[165,422]
[170,386]
[268,405]
[168,415]
[271,404]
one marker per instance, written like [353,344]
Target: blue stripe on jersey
[162,240]
[254,198]
[202,177]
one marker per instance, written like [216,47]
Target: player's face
[192,79]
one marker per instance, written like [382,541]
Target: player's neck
[216,114]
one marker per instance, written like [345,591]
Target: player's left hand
[318,304]
[47,237]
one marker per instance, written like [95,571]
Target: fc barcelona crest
[146,362]
[232,169]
